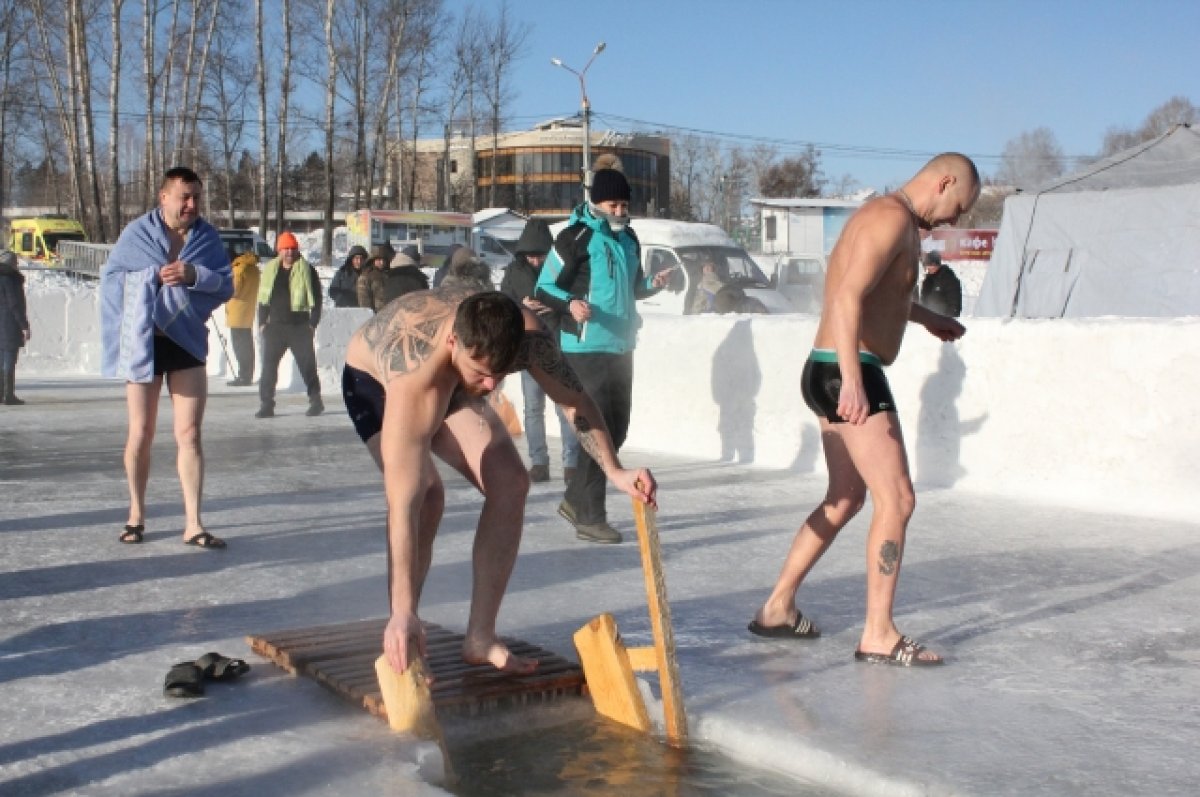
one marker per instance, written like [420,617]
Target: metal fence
[82,259]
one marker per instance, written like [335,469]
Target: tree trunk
[330,99]
[263,153]
[91,169]
[114,122]
[285,90]
[150,77]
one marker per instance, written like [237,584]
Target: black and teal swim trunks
[821,383]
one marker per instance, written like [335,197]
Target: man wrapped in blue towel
[165,276]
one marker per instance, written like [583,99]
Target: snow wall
[1089,413]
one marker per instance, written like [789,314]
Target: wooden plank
[610,679]
[660,622]
[343,658]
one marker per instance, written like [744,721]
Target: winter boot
[8,381]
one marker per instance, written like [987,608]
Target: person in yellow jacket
[239,316]
[289,309]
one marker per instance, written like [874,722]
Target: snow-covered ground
[1052,557]
[1071,635]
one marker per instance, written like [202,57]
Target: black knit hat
[609,185]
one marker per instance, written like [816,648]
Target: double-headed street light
[587,114]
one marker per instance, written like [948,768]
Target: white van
[685,246]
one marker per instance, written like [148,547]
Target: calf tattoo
[889,558]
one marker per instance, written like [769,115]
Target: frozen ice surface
[1072,638]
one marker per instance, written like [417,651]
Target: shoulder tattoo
[403,334]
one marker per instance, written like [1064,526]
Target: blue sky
[858,76]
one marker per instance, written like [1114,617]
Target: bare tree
[331,76]
[1030,159]
[114,103]
[228,90]
[83,106]
[285,92]
[1177,110]
[263,152]
[53,53]
[150,81]
[464,66]
[503,45]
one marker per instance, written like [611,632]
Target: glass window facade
[546,180]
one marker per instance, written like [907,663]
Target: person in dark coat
[941,291]
[14,325]
[457,254]
[520,277]
[344,287]
[370,283]
[404,276]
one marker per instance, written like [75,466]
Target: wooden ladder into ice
[608,666]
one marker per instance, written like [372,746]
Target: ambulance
[37,238]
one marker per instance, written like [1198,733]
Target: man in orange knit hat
[289,309]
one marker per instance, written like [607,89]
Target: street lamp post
[586,112]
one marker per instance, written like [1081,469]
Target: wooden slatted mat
[342,657]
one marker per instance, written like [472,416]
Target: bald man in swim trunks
[415,383]
[868,302]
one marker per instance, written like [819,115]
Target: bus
[432,232]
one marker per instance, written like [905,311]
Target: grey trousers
[278,339]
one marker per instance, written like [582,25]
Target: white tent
[1119,238]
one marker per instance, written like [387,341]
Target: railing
[82,259]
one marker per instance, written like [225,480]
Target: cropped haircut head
[491,326]
[181,173]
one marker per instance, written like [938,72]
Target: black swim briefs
[364,401]
[821,383]
[170,356]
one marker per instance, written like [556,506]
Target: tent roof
[1171,159]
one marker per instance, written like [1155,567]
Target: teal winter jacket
[589,262]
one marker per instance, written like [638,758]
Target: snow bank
[1090,413]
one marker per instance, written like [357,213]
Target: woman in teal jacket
[592,278]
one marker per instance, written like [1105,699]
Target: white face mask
[615,223]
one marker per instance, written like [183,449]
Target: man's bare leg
[877,450]
[484,453]
[843,499]
[189,394]
[141,402]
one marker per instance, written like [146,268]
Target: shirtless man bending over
[415,380]
[868,300]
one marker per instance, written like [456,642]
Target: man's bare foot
[495,653]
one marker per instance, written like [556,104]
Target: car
[684,247]
[801,280]
[238,241]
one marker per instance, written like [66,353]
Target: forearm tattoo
[404,333]
[889,558]
[538,350]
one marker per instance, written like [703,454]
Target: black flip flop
[216,667]
[205,540]
[185,679]
[803,628]
[132,535]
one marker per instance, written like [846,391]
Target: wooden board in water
[342,657]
